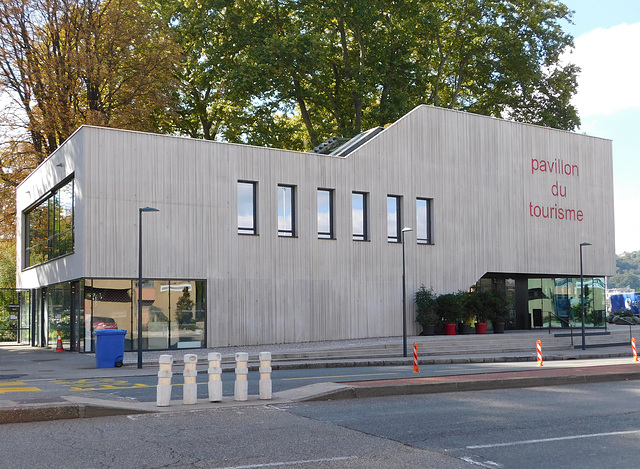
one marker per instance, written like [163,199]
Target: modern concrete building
[257,245]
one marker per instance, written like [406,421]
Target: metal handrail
[566,321]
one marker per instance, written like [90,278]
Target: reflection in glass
[393,219]
[173,312]
[246,208]
[58,298]
[359,216]
[25,317]
[108,304]
[423,221]
[50,227]
[325,216]
[558,301]
[286,211]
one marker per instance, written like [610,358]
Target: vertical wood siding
[269,289]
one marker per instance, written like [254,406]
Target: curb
[461,383]
[64,411]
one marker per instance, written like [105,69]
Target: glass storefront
[58,308]
[173,313]
[556,302]
[549,302]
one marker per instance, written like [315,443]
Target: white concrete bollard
[265,375]
[190,388]
[163,390]
[241,388]
[215,377]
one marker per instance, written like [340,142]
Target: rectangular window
[286,211]
[423,221]
[359,216]
[247,222]
[325,214]
[393,219]
[50,226]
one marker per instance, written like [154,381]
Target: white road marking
[486,464]
[289,463]
[546,440]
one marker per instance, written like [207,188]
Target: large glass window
[393,218]
[359,216]
[173,311]
[58,309]
[286,211]
[247,218]
[423,221]
[49,226]
[108,304]
[557,302]
[325,214]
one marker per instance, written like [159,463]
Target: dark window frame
[52,244]
[283,232]
[429,234]
[397,238]
[364,236]
[249,230]
[331,233]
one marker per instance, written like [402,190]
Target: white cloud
[609,59]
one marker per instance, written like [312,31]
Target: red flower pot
[449,329]
[481,328]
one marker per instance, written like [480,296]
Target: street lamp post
[142,209]
[582,293]
[404,296]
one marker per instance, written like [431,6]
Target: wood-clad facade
[505,198]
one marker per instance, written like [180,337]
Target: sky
[607,49]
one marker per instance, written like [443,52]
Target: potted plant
[498,311]
[426,310]
[477,302]
[450,309]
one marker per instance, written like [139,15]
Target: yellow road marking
[100,384]
[338,376]
[21,387]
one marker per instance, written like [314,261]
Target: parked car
[99,323]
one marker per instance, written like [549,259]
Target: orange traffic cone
[59,347]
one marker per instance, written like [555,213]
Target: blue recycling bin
[109,347]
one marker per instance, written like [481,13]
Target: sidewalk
[24,364]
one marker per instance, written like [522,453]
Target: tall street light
[144,209]
[404,297]
[582,292]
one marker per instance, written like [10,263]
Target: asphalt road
[142,388]
[587,426]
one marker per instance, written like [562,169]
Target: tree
[71,62]
[184,308]
[338,67]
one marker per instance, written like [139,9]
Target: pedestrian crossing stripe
[16,386]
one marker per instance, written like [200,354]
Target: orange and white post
[635,351]
[539,352]
[415,358]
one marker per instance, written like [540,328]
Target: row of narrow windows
[248,214]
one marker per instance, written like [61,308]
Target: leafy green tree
[627,271]
[184,308]
[71,62]
[337,67]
